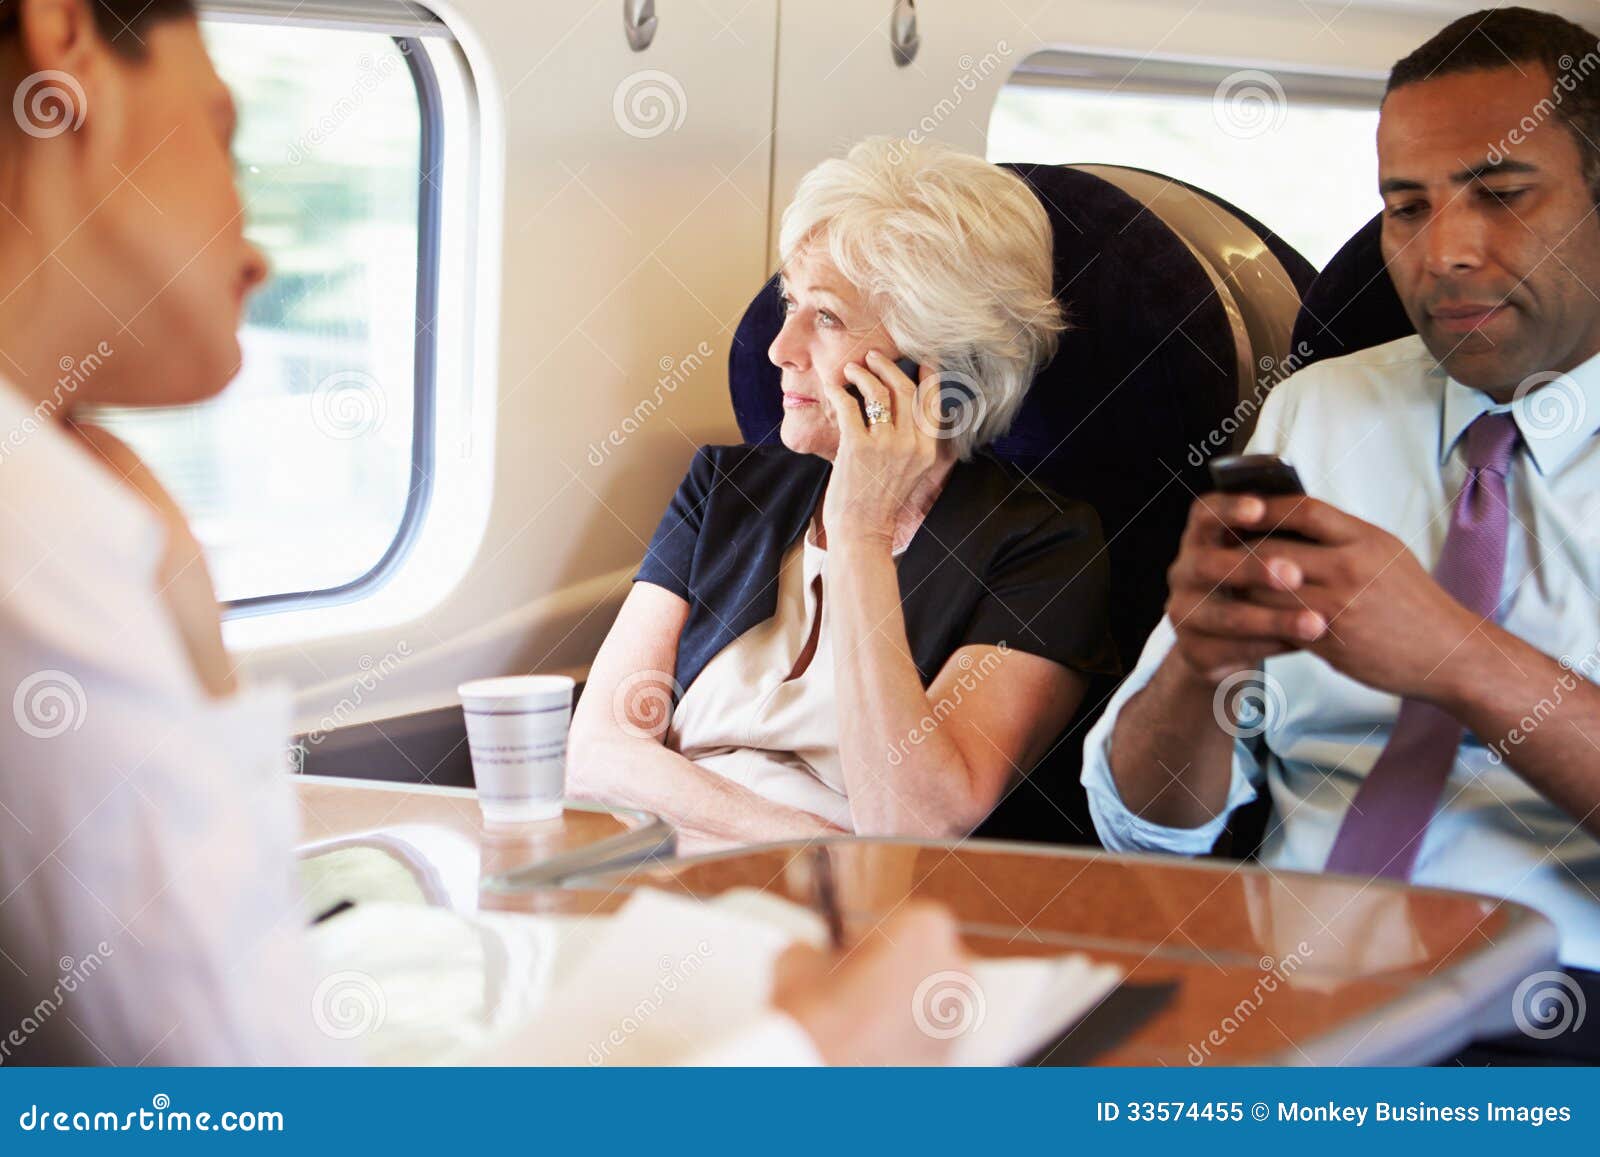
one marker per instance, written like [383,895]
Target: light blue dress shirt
[1377,434]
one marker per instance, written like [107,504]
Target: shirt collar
[1555,419]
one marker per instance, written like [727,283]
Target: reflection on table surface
[1272,967]
[440,837]
[1268,962]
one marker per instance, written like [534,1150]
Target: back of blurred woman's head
[123,229]
[953,253]
[118,21]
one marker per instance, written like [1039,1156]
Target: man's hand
[1389,625]
[857,1006]
[1385,623]
[1233,603]
[1345,590]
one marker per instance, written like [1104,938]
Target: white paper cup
[517,732]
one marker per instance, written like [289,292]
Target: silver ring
[877,413]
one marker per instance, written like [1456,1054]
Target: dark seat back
[1352,304]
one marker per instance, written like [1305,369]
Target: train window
[304,478]
[1249,135]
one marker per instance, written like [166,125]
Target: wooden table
[441,834]
[1270,967]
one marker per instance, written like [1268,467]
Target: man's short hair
[1498,38]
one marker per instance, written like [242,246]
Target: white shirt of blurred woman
[148,908]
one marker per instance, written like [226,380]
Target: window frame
[430,158]
[1108,72]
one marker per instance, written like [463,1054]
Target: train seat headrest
[1352,304]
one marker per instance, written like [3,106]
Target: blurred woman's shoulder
[64,507]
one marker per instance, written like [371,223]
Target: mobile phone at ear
[1264,474]
[954,395]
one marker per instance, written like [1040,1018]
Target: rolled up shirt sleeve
[1120,830]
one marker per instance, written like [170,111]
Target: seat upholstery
[1300,271]
[1120,418]
[1352,304]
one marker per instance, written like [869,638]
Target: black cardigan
[997,559]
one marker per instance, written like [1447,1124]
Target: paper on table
[1028,1001]
[412,984]
[671,975]
[666,976]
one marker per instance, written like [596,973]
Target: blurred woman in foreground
[148,822]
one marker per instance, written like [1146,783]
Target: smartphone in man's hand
[1264,475]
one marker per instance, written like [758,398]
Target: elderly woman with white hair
[874,628]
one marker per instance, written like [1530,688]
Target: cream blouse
[744,720]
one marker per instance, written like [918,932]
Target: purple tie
[1383,828]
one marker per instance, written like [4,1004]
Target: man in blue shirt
[1424,647]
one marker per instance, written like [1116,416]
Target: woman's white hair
[954,255]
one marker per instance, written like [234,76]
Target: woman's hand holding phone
[907,366]
[880,466]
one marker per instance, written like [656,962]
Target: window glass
[296,477]
[1308,171]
